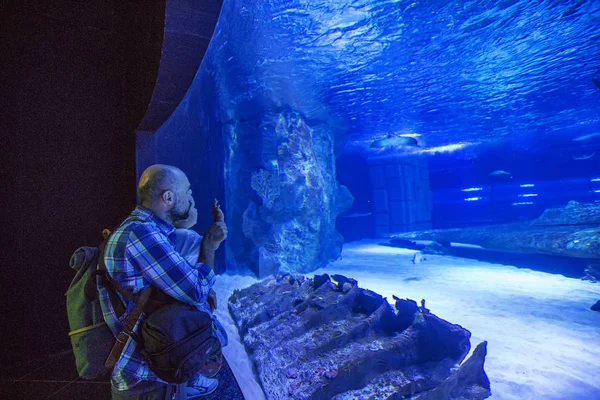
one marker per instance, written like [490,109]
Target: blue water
[477,73]
[481,85]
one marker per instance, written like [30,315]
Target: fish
[500,172]
[596,82]
[583,157]
[355,215]
[418,258]
[586,137]
[390,142]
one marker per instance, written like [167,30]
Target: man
[141,252]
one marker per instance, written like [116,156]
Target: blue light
[473,189]
[527,185]
[528,195]
[522,203]
[472,198]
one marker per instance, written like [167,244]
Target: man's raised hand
[217,231]
[217,212]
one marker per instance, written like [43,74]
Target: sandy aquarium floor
[543,340]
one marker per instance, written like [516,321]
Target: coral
[330,373]
[291,167]
[266,185]
[351,345]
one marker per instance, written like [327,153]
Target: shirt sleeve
[187,243]
[162,265]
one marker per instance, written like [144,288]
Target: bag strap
[113,287]
[127,331]
[108,281]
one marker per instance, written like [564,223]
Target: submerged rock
[572,231]
[596,307]
[437,248]
[310,339]
[574,213]
[592,271]
[469,381]
[283,197]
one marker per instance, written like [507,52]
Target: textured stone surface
[579,238]
[282,195]
[574,213]
[318,339]
[469,381]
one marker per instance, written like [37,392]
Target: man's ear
[168,197]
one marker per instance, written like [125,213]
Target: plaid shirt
[138,254]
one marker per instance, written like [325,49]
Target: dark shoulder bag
[179,341]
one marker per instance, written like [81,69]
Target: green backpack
[91,338]
[94,345]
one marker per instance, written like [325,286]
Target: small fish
[586,137]
[583,157]
[423,309]
[500,172]
[418,258]
[390,142]
[355,215]
[596,82]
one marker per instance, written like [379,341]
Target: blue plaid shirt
[140,253]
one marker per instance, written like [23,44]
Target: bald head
[166,191]
[155,180]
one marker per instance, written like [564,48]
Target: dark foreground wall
[75,81]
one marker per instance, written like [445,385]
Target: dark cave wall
[76,79]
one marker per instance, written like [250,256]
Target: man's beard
[178,215]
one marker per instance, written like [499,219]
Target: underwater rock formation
[572,231]
[437,248]
[596,307]
[468,382]
[282,194]
[574,213]
[592,271]
[318,339]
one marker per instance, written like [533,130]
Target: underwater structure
[570,230]
[283,196]
[318,338]
[401,194]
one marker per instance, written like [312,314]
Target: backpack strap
[127,331]
[108,281]
[113,287]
